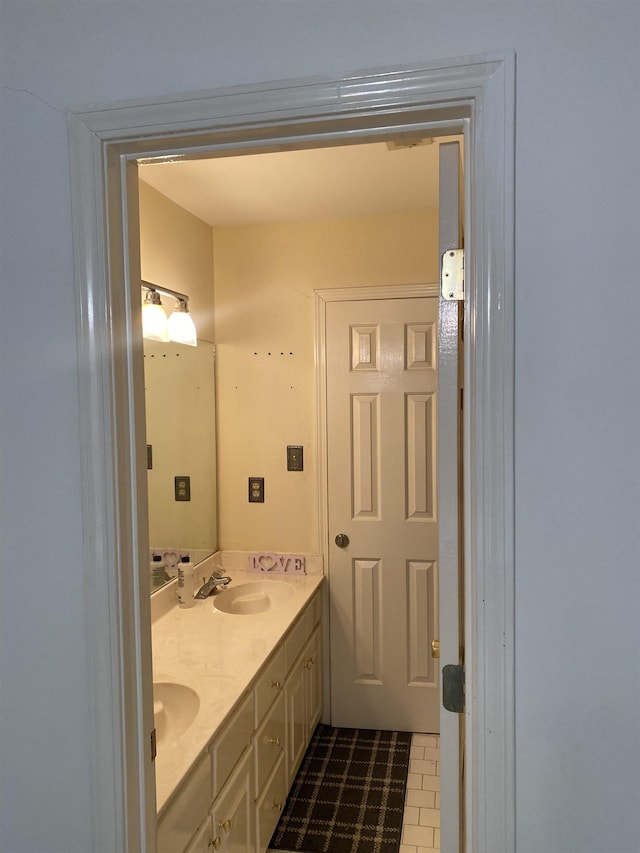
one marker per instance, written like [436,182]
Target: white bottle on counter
[186,582]
[158,574]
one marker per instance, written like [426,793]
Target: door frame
[474,96]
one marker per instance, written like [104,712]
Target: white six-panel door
[382,379]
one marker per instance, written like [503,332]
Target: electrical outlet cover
[256,490]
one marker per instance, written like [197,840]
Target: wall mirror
[181,453]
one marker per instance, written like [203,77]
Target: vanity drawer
[269,684]
[269,743]
[186,810]
[233,739]
[269,806]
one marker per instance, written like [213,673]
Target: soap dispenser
[186,582]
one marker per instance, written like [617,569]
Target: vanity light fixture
[179,327]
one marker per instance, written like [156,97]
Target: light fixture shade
[154,320]
[181,327]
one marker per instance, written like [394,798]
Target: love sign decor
[280,564]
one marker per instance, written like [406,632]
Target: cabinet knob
[277,685]
[277,806]
[215,843]
[274,740]
[308,664]
[225,825]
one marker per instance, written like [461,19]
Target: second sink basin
[253,597]
[175,707]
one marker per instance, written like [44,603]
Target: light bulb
[154,320]
[181,327]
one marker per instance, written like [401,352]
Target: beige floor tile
[430,783]
[424,799]
[414,780]
[431,753]
[411,815]
[425,740]
[427,768]
[420,829]
[430,817]
[419,835]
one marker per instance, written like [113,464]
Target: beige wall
[265,276]
[176,251]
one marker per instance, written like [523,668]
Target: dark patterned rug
[348,795]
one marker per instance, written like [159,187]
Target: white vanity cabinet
[282,738]
[232,799]
[303,685]
[303,697]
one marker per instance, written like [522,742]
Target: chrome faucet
[211,586]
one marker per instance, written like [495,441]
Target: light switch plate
[294,457]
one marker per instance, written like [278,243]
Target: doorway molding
[474,96]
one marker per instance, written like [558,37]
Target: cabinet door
[269,743]
[231,742]
[233,811]
[186,810]
[270,804]
[296,714]
[313,664]
[203,840]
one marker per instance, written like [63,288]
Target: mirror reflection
[181,457]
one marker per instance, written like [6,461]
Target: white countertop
[217,655]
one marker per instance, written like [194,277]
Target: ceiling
[318,183]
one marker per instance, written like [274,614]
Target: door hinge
[453,688]
[452,275]
[154,747]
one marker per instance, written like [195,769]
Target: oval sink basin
[175,707]
[254,597]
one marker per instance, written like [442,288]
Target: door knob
[435,648]
[342,540]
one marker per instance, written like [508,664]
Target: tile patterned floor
[421,824]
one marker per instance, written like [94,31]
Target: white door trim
[472,95]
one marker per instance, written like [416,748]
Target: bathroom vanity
[238,690]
